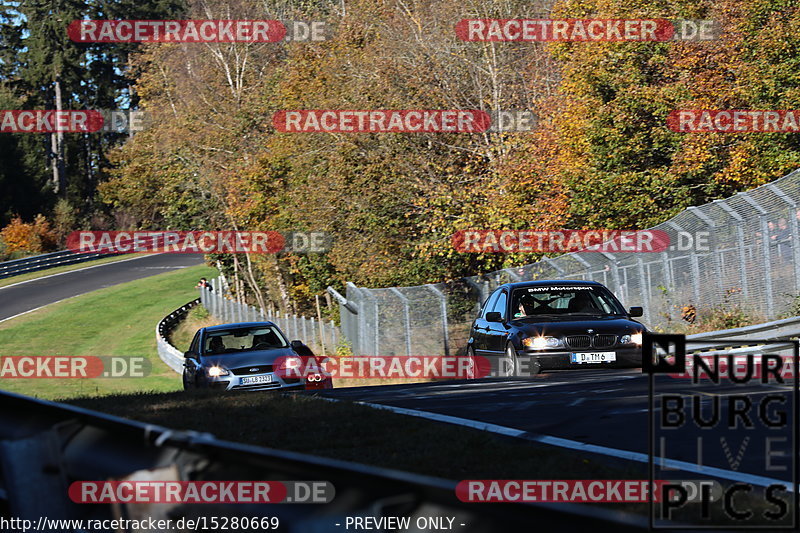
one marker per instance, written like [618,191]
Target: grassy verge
[118,320]
[66,268]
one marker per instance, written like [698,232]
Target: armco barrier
[41,262]
[171,356]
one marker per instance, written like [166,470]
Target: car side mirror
[494,316]
[191,354]
[301,349]
[636,311]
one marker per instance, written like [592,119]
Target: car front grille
[604,341]
[580,342]
[255,369]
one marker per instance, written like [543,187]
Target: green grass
[66,268]
[118,320]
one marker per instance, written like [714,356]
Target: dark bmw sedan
[245,356]
[532,326]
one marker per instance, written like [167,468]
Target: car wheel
[186,385]
[471,357]
[510,366]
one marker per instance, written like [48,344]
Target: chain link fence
[322,337]
[744,251]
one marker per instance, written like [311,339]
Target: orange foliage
[36,237]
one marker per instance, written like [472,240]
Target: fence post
[376,339]
[406,318]
[644,284]
[618,289]
[765,239]
[715,254]
[740,237]
[695,266]
[443,308]
[478,286]
[358,343]
[795,236]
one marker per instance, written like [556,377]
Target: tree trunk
[57,148]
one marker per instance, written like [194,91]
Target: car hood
[572,326]
[253,358]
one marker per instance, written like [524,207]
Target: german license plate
[252,380]
[593,357]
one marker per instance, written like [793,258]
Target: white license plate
[594,357]
[250,380]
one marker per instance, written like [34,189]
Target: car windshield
[563,300]
[236,340]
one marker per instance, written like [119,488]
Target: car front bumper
[234,382]
[626,357]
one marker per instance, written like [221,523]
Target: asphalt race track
[29,295]
[600,407]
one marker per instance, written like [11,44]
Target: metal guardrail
[41,262]
[171,356]
[16,267]
[775,330]
[787,327]
[45,446]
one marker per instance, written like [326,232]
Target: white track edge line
[582,446]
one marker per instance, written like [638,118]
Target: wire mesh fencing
[743,252]
[321,336]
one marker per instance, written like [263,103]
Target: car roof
[544,282]
[238,325]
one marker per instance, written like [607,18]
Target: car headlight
[216,371]
[541,343]
[635,338]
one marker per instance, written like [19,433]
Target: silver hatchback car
[243,356]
